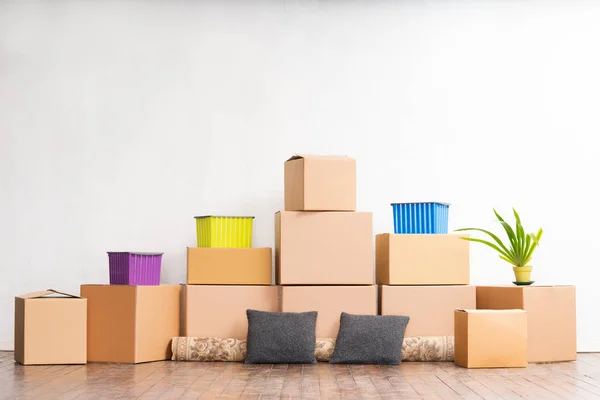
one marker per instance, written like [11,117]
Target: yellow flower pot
[522,274]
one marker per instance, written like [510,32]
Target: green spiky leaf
[521,245]
[510,261]
[492,245]
[496,238]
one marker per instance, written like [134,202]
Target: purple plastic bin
[130,268]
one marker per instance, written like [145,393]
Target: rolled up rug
[204,349]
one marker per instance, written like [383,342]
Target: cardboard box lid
[47,293]
[471,311]
[445,203]
[524,286]
[318,157]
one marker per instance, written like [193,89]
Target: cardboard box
[329,302]
[320,183]
[131,324]
[220,311]
[324,248]
[550,313]
[223,266]
[490,338]
[430,308]
[50,328]
[427,259]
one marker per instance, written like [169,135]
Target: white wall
[121,121]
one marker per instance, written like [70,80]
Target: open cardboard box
[50,328]
[320,183]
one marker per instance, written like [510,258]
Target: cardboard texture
[320,183]
[220,311]
[422,259]
[329,302]
[490,338]
[131,324]
[324,248]
[551,316]
[50,328]
[222,266]
[430,308]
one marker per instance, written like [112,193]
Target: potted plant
[517,251]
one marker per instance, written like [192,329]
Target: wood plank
[190,380]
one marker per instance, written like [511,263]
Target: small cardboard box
[551,317]
[422,259]
[131,324]
[490,338]
[324,248]
[220,311]
[329,302]
[320,183]
[430,308]
[224,266]
[50,328]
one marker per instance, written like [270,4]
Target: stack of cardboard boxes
[323,247]
[108,323]
[324,263]
[551,318]
[516,325]
[424,276]
[222,283]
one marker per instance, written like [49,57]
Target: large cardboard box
[329,302]
[131,324]
[50,328]
[221,266]
[551,316]
[220,311]
[324,248]
[320,183]
[422,259]
[490,338]
[430,308]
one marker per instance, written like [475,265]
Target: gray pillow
[281,337]
[369,339]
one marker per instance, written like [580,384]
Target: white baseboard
[6,345]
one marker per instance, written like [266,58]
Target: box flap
[318,157]
[45,293]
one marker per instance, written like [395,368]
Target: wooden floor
[181,380]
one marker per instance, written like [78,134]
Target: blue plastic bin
[421,218]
